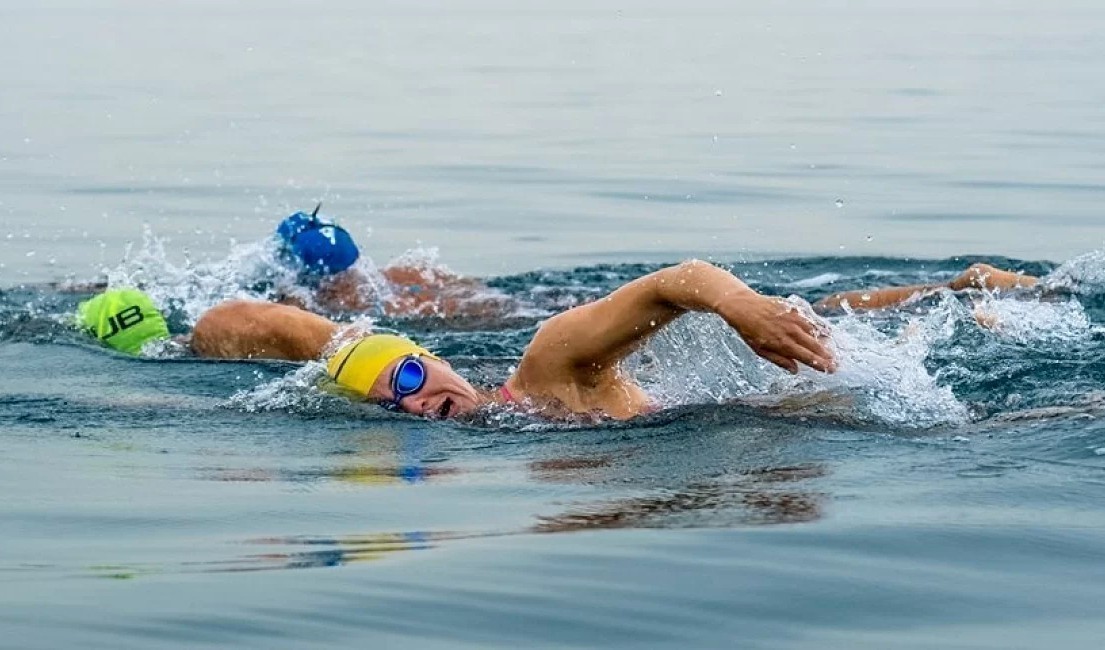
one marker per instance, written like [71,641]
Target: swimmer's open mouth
[446,408]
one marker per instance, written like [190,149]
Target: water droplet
[865,297]
[840,203]
[870,238]
[717,93]
[652,323]
[30,253]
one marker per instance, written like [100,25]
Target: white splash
[816,281]
[194,288]
[700,359]
[887,374]
[298,391]
[1084,274]
[1030,322]
[252,271]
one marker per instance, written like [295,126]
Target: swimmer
[325,255]
[571,367]
[978,276]
[127,320]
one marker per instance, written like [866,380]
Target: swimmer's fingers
[791,346]
[790,365]
[814,353]
[801,338]
[779,332]
[795,352]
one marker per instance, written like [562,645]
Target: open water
[942,490]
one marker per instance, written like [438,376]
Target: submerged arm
[594,337]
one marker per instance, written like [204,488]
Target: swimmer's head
[316,245]
[367,366]
[123,319]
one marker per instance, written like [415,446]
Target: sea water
[943,489]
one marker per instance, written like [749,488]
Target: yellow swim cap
[358,365]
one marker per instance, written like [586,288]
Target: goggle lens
[409,378]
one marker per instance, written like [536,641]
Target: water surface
[943,490]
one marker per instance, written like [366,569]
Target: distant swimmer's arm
[865,299]
[242,329]
[978,276]
[595,336]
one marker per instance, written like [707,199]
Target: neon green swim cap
[123,319]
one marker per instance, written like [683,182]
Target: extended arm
[244,329]
[594,337]
[978,276]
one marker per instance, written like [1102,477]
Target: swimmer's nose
[413,404]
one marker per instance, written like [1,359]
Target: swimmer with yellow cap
[571,367]
[402,375]
[123,319]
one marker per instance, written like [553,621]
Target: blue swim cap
[295,224]
[319,246]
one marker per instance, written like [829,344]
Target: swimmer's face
[444,395]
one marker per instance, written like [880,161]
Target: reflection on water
[752,498]
[756,497]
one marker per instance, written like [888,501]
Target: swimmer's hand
[777,331]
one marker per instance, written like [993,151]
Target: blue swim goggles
[407,379]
